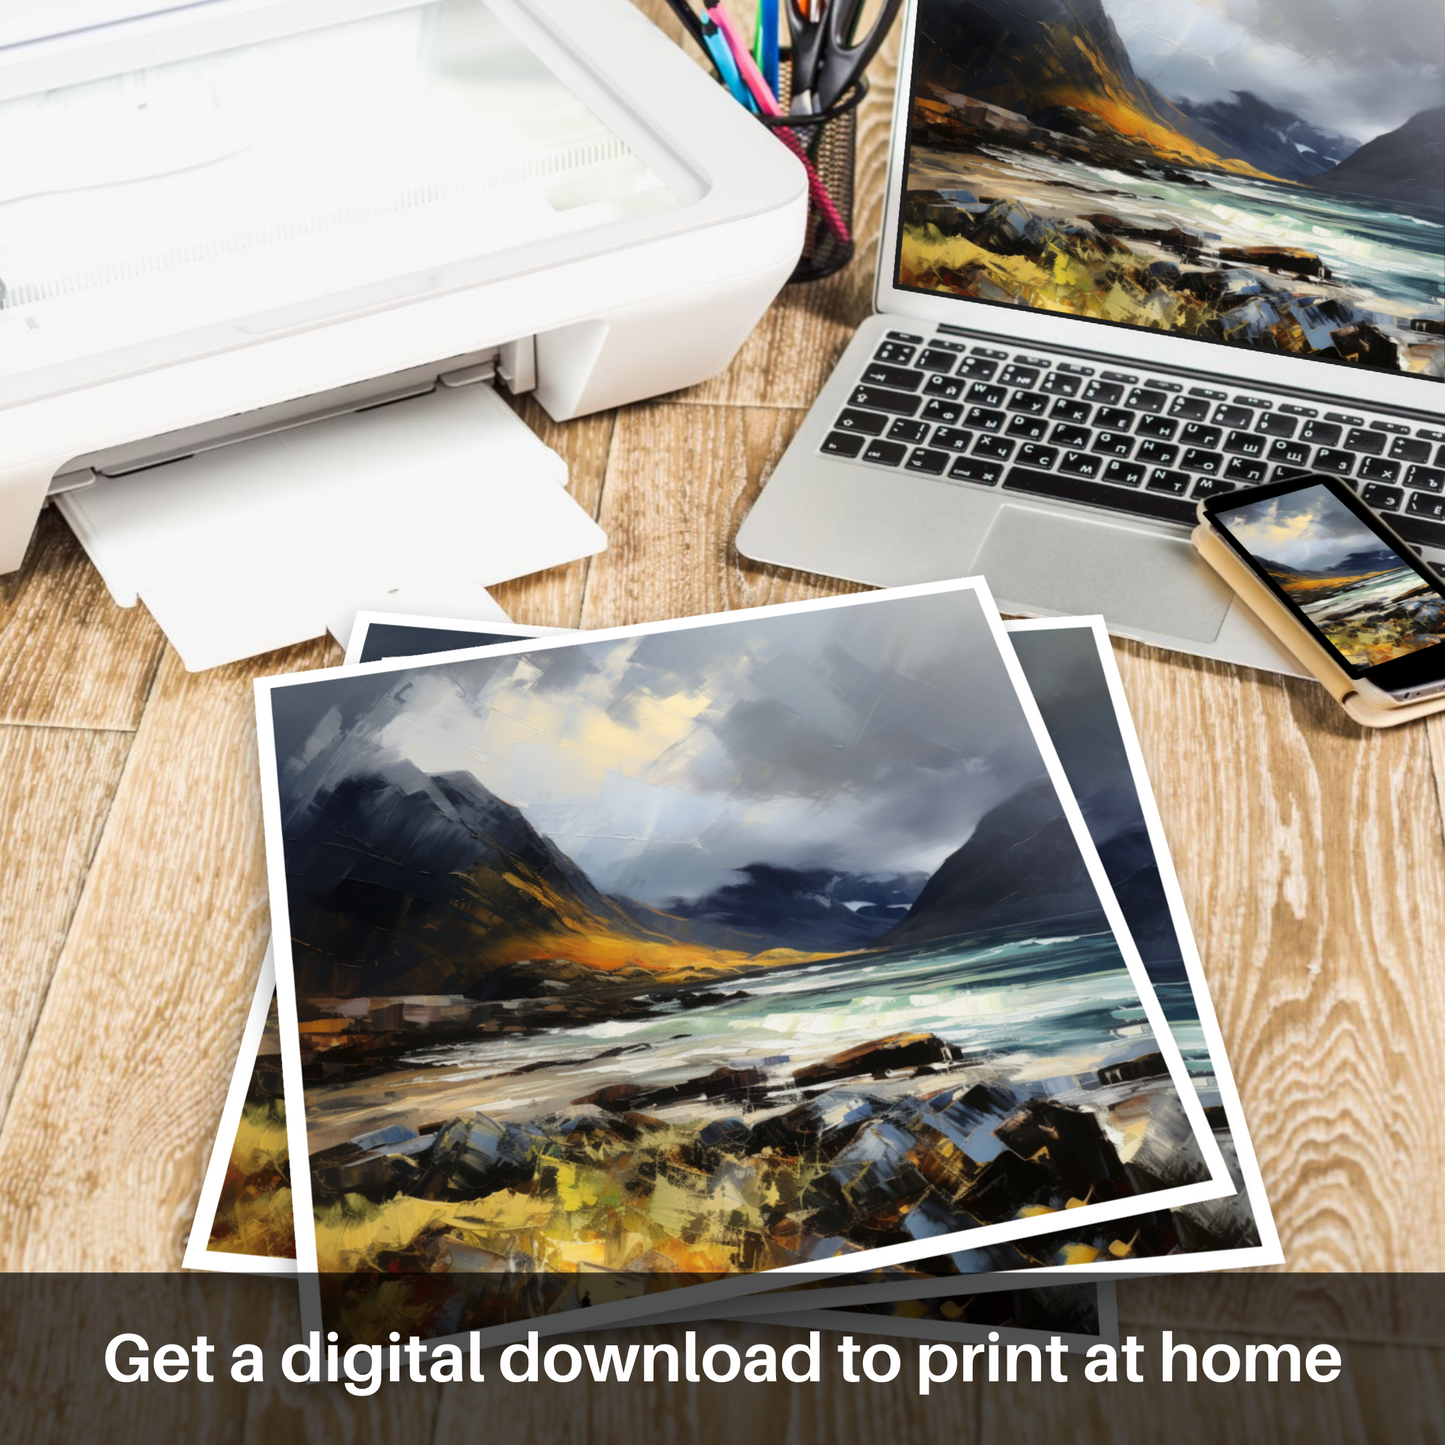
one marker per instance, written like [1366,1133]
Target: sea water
[1033,1006]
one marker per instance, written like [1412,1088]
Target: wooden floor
[133,907]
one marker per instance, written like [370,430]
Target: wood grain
[679,483]
[56,786]
[1312,862]
[69,657]
[113,1114]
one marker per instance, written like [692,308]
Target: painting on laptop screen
[1266,173]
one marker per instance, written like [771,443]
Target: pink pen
[768,105]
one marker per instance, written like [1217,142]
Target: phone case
[1298,639]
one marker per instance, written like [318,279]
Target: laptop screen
[1260,173]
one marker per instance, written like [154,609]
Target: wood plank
[1381,1391]
[706,1413]
[69,657]
[680,481]
[554,598]
[115,1110]
[56,786]
[1312,862]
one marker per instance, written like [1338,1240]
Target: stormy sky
[868,738]
[1311,529]
[1357,67]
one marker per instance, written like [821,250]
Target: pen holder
[826,143]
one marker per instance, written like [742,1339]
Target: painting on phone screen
[1370,606]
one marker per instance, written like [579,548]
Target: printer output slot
[513,362]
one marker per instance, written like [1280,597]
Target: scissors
[827,56]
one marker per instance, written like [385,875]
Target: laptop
[1135,252]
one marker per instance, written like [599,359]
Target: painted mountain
[1047,59]
[1273,140]
[406,883]
[1022,862]
[1407,164]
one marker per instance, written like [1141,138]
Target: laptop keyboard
[1141,444]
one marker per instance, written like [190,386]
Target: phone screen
[1342,575]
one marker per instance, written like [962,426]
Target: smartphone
[1374,606]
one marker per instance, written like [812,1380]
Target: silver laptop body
[1064,458]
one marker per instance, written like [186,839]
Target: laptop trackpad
[1071,565]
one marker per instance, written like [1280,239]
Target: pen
[765,42]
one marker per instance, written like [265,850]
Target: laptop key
[1071,436]
[1124,474]
[978,368]
[1212,486]
[1407,449]
[935,360]
[1081,489]
[1371,443]
[886,454]
[1189,408]
[1034,403]
[907,430]
[1074,411]
[1328,459]
[1377,469]
[1240,469]
[1081,464]
[1060,383]
[985,395]
[1425,479]
[948,387]
[971,469]
[982,419]
[1016,375]
[905,336]
[1244,444]
[1199,460]
[953,438]
[1440,457]
[998,449]
[1113,418]
[895,353]
[1423,504]
[1157,426]
[1289,453]
[877,398]
[1195,435]
[1320,433]
[867,422]
[1032,428]
[1161,479]
[1144,398]
[922,459]
[1156,454]
[877,374]
[936,409]
[1274,425]
[1234,416]
[843,444]
[1112,444]
[1381,498]
[1107,392]
[1032,456]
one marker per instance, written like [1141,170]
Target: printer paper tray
[417,506]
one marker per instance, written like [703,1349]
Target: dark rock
[1068,1142]
[1365,345]
[476,1156]
[873,1173]
[1004,1186]
[616,1098]
[877,1059]
[1146,1066]
[825,1124]
[1278,258]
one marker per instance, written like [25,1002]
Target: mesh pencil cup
[826,143]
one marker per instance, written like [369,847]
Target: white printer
[236,225]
